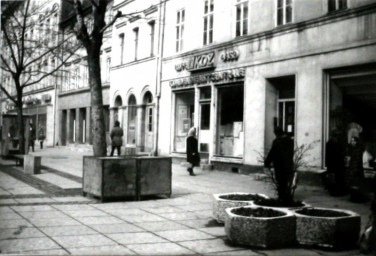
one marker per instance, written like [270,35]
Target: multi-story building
[135,71]
[237,69]
[41,35]
[74,104]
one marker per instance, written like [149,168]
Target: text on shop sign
[198,62]
[220,76]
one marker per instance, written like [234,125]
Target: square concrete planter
[32,164]
[323,227]
[109,177]
[260,227]
[124,177]
[154,175]
[228,200]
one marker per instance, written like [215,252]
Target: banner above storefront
[198,62]
[215,77]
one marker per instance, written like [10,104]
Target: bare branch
[94,3]
[118,14]
[8,94]
[81,31]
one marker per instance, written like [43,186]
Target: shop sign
[199,62]
[215,77]
[231,55]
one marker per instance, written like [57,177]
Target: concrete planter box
[270,203]
[122,177]
[333,228]
[32,164]
[109,177]
[154,175]
[273,230]
[223,201]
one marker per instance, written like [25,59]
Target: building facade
[74,99]
[237,69]
[39,99]
[135,71]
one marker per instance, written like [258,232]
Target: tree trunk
[21,128]
[98,125]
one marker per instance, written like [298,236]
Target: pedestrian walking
[335,164]
[282,156]
[193,156]
[41,135]
[32,136]
[116,138]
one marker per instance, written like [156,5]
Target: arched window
[132,117]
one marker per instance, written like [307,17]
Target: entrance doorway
[184,118]
[230,132]
[279,107]
[147,128]
[352,104]
[132,119]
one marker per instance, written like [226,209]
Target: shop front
[211,100]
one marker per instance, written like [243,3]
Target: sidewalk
[46,214]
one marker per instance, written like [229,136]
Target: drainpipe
[159,71]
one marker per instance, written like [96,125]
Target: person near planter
[116,138]
[335,164]
[32,136]
[281,155]
[193,156]
[41,135]
[355,173]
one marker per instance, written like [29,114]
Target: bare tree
[31,53]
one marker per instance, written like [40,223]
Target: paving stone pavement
[49,216]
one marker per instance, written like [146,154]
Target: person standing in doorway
[282,156]
[335,164]
[193,156]
[32,136]
[116,138]
[41,135]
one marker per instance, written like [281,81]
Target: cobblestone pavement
[46,214]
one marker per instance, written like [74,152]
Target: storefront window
[230,133]
[184,113]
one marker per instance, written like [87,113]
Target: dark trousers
[41,144]
[118,150]
[31,145]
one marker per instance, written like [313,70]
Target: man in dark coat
[335,163]
[193,156]
[116,138]
[282,156]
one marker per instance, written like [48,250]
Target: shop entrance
[132,119]
[352,104]
[204,136]
[279,107]
[230,133]
[184,118]
[147,121]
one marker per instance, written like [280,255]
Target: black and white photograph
[188,127]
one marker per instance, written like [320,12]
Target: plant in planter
[260,227]
[284,181]
[324,227]
[228,200]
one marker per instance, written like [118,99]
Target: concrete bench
[32,164]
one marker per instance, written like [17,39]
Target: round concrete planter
[223,201]
[273,204]
[275,230]
[323,227]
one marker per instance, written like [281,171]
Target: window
[150,119]
[208,22]
[121,38]
[152,36]
[180,16]
[336,5]
[135,31]
[241,18]
[284,12]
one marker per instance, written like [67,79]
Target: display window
[230,133]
